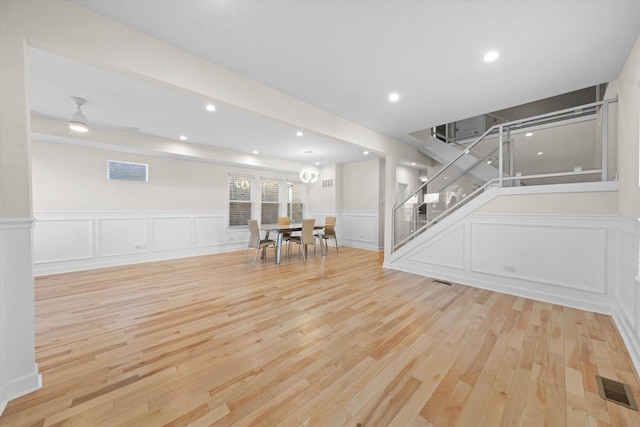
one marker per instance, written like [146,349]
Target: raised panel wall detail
[446,249]
[122,236]
[573,257]
[63,240]
[210,231]
[170,233]
[361,228]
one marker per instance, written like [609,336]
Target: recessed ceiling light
[317,163]
[211,107]
[394,97]
[446,177]
[491,56]
[183,138]
[528,134]
[540,153]
[308,152]
[413,163]
[488,162]
[255,151]
[366,153]
[299,133]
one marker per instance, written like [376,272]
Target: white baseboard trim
[106,262]
[629,336]
[599,306]
[20,387]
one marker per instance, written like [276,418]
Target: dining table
[283,229]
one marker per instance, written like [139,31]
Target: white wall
[74,178]
[575,203]
[629,135]
[325,199]
[627,281]
[361,222]
[84,220]
[356,199]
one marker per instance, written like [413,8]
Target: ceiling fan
[78,122]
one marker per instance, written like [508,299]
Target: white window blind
[270,201]
[239,200]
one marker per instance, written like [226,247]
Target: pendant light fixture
[309,175]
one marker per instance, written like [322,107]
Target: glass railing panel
[405,220]
[439,195]
[560,147]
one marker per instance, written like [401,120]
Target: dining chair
[330,231]
[307,237]
[286,236]
[255,242]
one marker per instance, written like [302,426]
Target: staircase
[565,146]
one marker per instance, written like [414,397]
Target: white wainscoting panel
[626,313]
[627,289]
[239,236]
[556,254]
[210,230]
[72,241]
[122,236]
[52,242]
[359,229]
[170,233]
[562,259]
[446,249]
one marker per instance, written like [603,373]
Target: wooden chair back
[284,220]
[254,237]
[307,231]
[330,226]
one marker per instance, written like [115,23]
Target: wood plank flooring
[335,341]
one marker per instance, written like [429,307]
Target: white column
[389,201]
[18,370]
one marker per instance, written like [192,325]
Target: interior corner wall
[361,201]
[629,135]
[626,257]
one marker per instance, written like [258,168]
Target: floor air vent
[616,392]
[442,282]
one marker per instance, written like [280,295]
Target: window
[239,200]
[270,201]
[126,171]
[294,201]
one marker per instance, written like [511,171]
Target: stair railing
[469,169]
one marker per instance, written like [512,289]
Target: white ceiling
[346,57]
[117,102]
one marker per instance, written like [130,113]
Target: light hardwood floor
[334,341]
